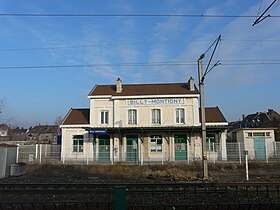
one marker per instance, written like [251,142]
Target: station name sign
[97,131]
[155,101]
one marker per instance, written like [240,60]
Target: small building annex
[142,123]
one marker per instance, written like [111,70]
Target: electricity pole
[202,116]
[201,77]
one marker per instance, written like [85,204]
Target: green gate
[104,148]
[131,148]
[259,148]
[180,147]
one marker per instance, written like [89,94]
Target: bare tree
[58,120]
[2,104]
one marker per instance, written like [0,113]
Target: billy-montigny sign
[155,101]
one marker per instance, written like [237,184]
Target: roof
[4,127]
[270,119]
[43,129]
[214,115]
[143,89]
[76,117]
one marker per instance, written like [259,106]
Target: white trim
[219,123]
[75,126]
[158,96]
[146,96]
[101,96]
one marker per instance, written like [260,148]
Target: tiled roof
[44,129]
[143,89]
[4,127]
[77,117]
[214,115]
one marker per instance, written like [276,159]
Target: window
[156,118]
[267,134]
[211,141]
[259,134]
[78,143]
[156,143]
[132,116]
[104,117]
[180,116]
[250,134]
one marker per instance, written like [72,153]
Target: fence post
[246,164]
[239,151]
[266,153]
[162,150]
[142,154]
[188,152]
[275,148]
[40,161]
[17,152]
[214,153]
[46,148]
[36,152]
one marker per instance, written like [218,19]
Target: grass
[220,172]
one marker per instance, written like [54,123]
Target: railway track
[140,196]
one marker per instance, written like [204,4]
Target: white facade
[258,142]
[141,127]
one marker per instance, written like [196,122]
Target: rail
[139,195]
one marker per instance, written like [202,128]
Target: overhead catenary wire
[128,15]
[61,47]
[277,62]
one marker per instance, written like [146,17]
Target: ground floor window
[78,143]
[156,143]
[211,141]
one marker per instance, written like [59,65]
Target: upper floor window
[180,115]
[132,116]
[78,143]
[156,117]
[104,117]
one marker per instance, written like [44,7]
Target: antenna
[262,17]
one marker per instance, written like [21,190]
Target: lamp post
[202,117]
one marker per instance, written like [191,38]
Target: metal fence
[232,152]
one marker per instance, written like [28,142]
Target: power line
[127,44]
[85,46]
[127,15]
[190,63]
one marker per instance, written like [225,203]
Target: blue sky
[40,95]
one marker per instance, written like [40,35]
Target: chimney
[191,84]
[119,85]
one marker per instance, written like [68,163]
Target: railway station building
[142,123]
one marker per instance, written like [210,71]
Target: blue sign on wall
[98,131]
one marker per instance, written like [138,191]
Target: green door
[259,147]
[104,148]
[180,147]
[131,148]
